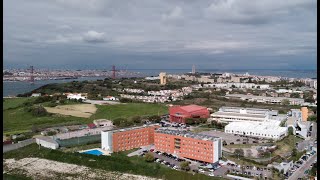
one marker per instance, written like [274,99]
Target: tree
[149,157]
[312,118]
[184,166]
[290,130]
[239,152]
[136,119]
[39,111]
[294,152]
[285,102]
[295,95]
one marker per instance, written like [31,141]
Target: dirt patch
[77,110]
[37,168]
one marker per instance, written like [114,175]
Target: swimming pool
[93,152]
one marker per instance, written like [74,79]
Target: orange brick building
[188,145]
[179,114]
[128,138]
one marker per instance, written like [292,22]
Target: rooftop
[237,114]
[47,139]
[270,126]
[187,134]
[131,128]
[191,108]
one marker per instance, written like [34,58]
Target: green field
[128,110]
[117,162]
[17,120]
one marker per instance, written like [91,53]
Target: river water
[15,88]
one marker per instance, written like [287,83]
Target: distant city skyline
[160,34]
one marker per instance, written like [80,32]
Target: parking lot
[249,170]
[233,139]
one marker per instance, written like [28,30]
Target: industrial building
[267,129]
[188,145]
[239,114]
[128,138]
[179,114]
[264,99]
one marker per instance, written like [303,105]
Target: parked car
[211,174]
[201,170]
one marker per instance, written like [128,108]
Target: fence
[81,133]
[79,140]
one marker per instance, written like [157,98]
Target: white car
[211,174]
[211,170]
[201,170]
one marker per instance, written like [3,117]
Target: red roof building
[91,126]
[180,113]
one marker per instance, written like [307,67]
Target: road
[299,173]
[10,147]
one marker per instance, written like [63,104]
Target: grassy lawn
[128,110]
[117,162]
[11,103]
[17,120]
[286,145]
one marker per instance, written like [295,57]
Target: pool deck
[105,153]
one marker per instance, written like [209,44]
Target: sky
[160,34]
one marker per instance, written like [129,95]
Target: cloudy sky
[173,34]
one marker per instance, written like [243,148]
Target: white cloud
[176,13]
[94,37]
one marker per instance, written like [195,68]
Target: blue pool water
[93,152]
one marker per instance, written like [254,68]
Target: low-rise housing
[285,166]
[102,122]
[77,96]
[110,98]
[35,94]
[47,142]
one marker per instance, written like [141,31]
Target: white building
[266,129]
[77,96]
[35,94]
[47,142]
[238,114]
[264,99]
[102,122]
[110,98]
[238,85]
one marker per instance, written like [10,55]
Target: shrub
[39,111]
[184,166]
[149,157]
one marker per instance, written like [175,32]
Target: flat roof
[187,134]
[269,126]
[262,97]
[191,108]
[130,128]
[238,114]
[47,139]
